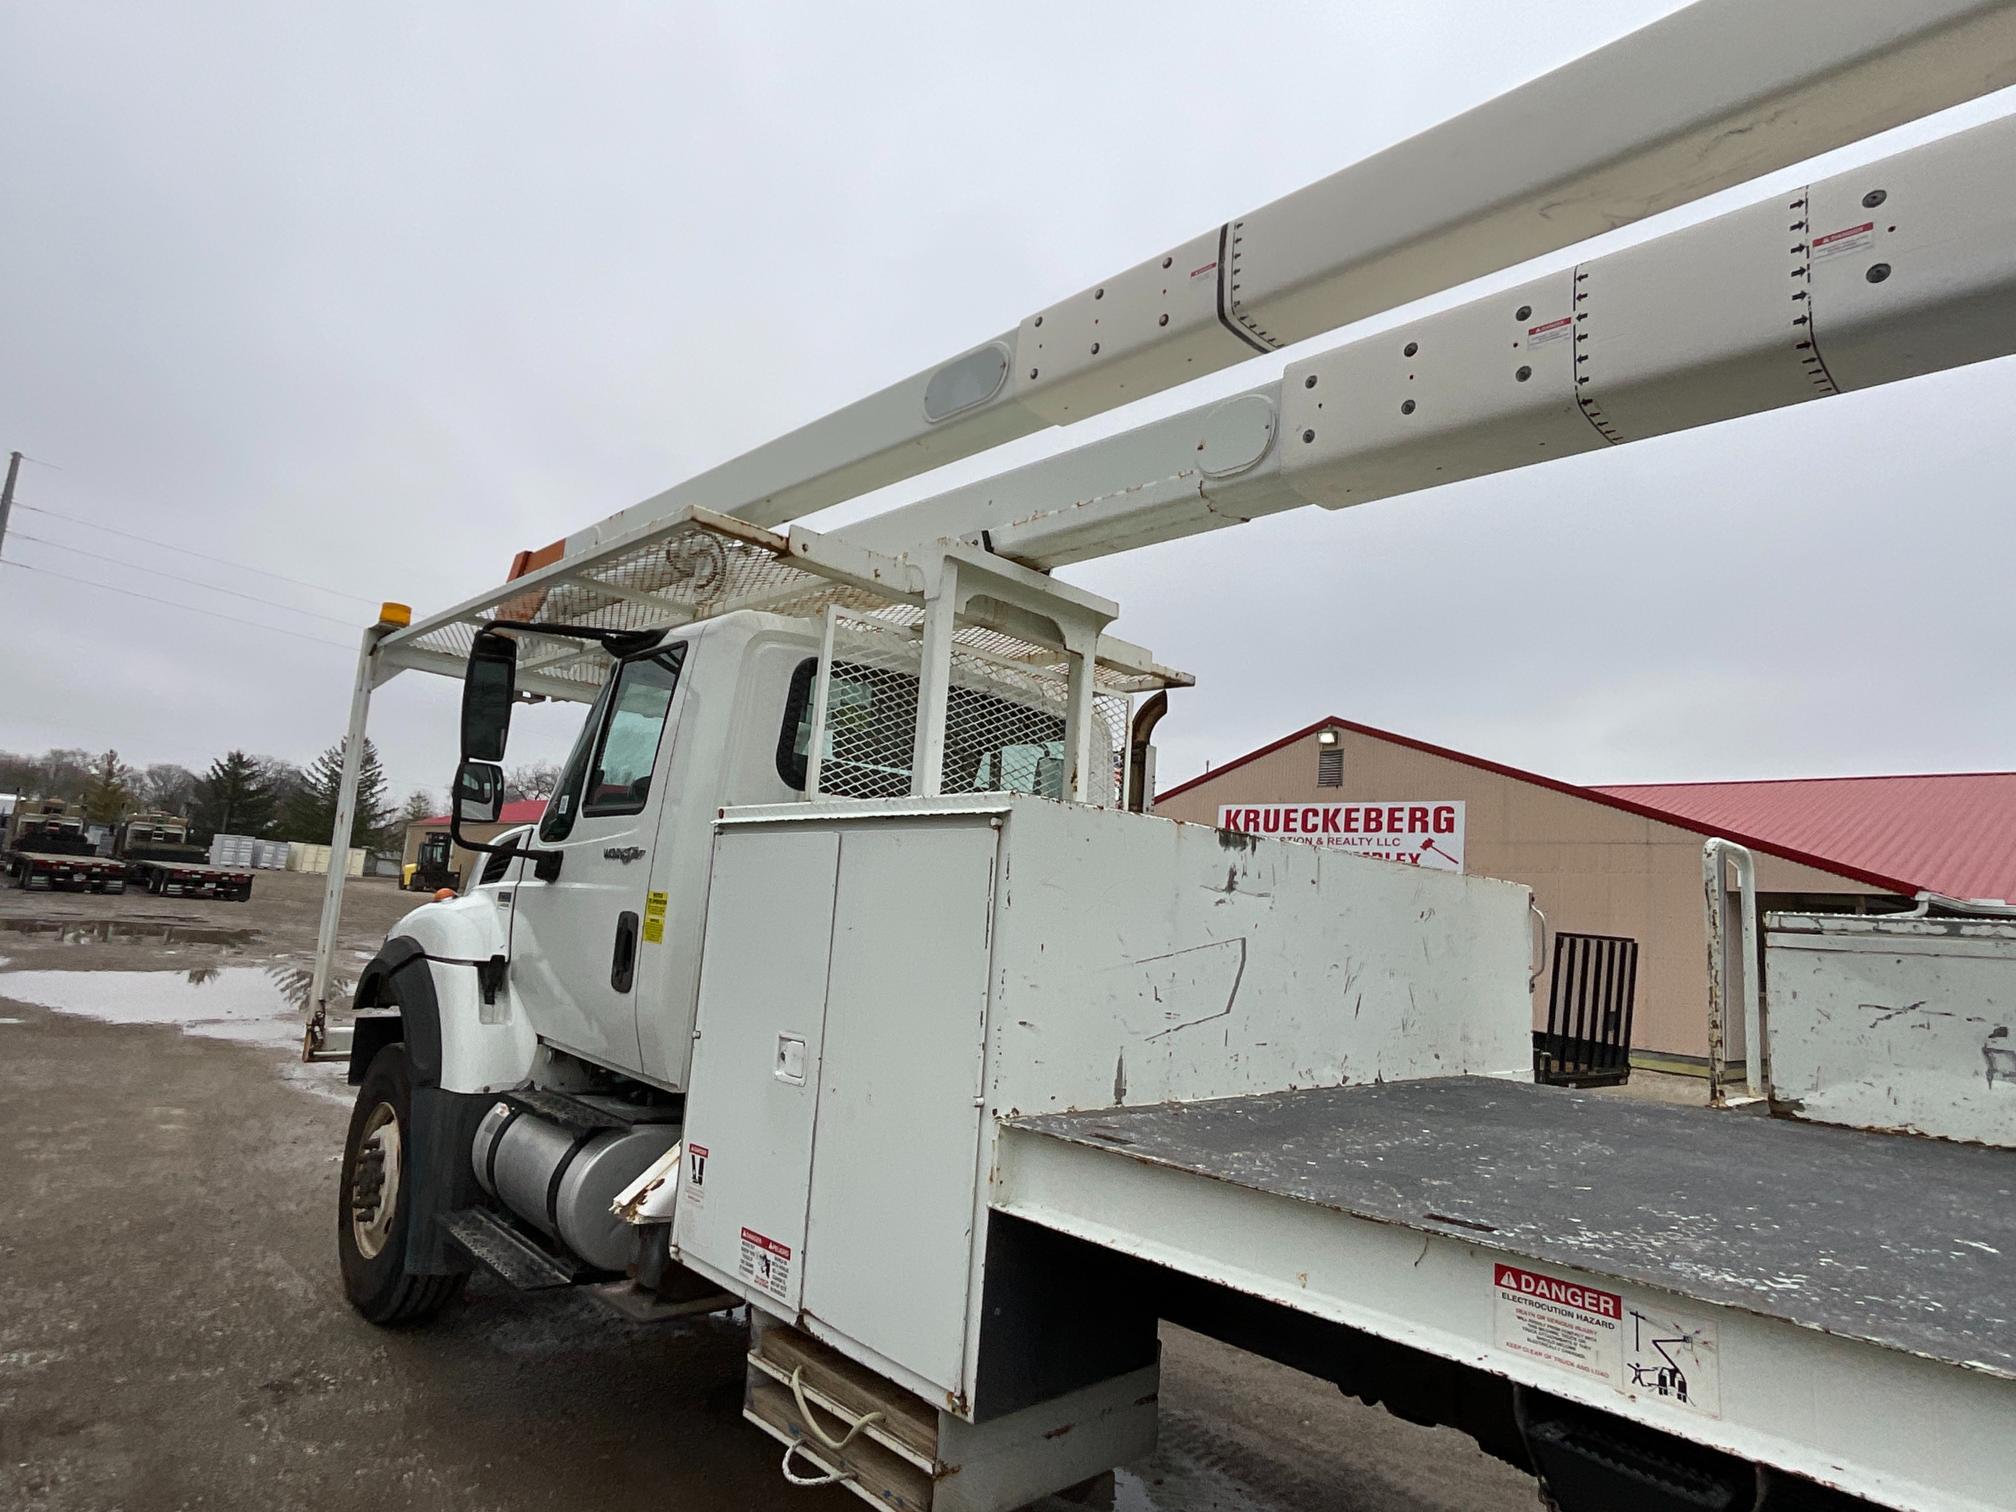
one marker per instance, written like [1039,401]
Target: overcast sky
[373,295]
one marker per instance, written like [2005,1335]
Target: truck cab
[598,908]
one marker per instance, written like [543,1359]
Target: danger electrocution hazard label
[1562,1323]
[765,1263]
[1641,1351]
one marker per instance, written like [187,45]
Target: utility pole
[7,493]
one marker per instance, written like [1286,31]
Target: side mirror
[488,689]
[479,793]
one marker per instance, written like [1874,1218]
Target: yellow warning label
[654,930]
[654,905]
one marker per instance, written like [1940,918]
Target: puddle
[255,1005]
[106,931]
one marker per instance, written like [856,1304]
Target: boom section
[1899,268]
[1705,99]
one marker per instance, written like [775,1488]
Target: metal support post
[7,493]
[822,687]
[339,841]
[1078,719]
[934,682]
[1743,962]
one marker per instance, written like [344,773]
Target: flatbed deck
[1792,1221]
[1850,1297]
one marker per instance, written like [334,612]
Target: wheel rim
[374,1181]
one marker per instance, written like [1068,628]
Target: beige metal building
[1598,863]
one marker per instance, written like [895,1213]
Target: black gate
[1587,1041]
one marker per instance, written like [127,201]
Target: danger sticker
[1560,1323]
[765,1263]
[694,1187]
[1849,239]
[654,918]
[1642,1352]
[1553,330]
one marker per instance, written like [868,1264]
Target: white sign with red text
[1413,834]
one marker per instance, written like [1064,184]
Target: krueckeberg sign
[1413,834]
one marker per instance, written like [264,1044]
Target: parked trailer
[61,870]
[838,978]
[159,857]
[47,849]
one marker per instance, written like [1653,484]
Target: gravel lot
[171,1335]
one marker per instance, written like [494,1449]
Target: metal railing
[1587,1041]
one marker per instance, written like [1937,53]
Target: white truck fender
[443,967]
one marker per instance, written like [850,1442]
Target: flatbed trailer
[189,879]
[49,870]
[1836,1303]
[157,855]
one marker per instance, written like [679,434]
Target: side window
[564,807]
[870,716]
[620,780]
[794,740]
[618,744]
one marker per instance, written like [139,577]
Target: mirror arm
[545,862]
[618,643]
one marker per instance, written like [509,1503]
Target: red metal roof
[1951,833]
[518,811]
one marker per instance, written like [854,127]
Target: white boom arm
[1710,97]
[1902,267]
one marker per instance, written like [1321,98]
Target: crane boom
[1897,268]
[1704,99]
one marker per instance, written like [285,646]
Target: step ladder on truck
[845,949]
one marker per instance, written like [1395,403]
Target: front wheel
[375,1202]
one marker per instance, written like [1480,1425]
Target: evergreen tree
[107,794]
[309,814]
[235,797]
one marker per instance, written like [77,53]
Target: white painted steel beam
[1903,267]
[1705,99]
[339,835]
[1899,1429]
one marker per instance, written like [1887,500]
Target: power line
[170,603]
[177,578]
[186,551]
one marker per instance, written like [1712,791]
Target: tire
[372,1221]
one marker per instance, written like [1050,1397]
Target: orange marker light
[443,894]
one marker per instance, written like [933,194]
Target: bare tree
[165,788]
[535,779]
